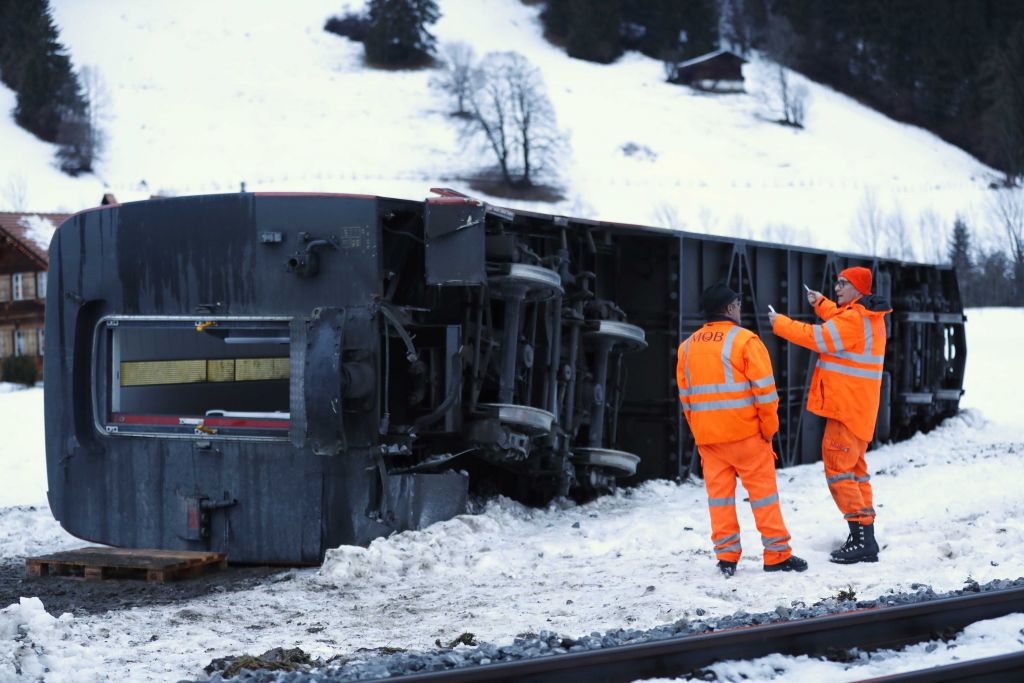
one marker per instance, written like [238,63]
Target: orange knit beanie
[859,277]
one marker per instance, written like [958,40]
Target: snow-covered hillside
[204,96]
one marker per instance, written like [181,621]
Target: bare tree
[869,226]
[670,65]
[734,26]
[456,76]
[1002,121]
[512,113]
[97,110]
[899,244]
[780,233]
[1007,208]
[16,192]
[786,98]
[666,215]
[794,103]
[81,132]
[934,236]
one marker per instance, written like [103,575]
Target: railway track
[869,629]
[987,670]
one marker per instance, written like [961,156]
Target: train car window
[201,378]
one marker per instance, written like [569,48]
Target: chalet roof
[31,231]
[708,57]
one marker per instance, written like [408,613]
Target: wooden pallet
[97,563]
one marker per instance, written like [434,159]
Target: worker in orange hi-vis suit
[727,390]
[845,390]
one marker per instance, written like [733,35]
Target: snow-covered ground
[202,96]
[949,505]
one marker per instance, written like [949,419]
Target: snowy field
[202,96]
[949,506]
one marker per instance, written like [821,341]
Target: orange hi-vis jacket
[726,384]
[847,379]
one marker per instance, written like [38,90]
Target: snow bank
[21,446]
[28,530]
[453,546]
[508,541]
[33,646]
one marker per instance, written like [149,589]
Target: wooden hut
[720,71]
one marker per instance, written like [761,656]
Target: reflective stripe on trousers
[753,461]
[846,472]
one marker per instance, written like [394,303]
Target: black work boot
[792,564]
[727,568]
[860,546]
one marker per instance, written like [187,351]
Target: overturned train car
[272,375]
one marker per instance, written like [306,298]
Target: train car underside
[274,375]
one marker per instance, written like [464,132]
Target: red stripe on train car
[195,421]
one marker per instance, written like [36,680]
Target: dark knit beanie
[716,298]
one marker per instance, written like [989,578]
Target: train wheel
[528,418]
[618,463]
[537,284]
[627,338]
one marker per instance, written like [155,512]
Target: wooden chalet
[720,71]
[24,240]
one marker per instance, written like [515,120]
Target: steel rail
[996,669]
[870,629]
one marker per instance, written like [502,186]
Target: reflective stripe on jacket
[726,384]
[850,343]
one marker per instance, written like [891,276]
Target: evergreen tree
[50,101]
[397,34]
[657,27]
[960,258]
[699,18]
[594,30]
[34,64]
[588,29]
[920,61]
[992,284]
[555,18]
[1004,114]
[22,27]
[50,95]
[742,23]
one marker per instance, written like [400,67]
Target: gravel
[547,643]
[81,597]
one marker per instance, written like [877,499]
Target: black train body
[273,375]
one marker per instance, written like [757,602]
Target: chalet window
[29,343]
[28,283]
[19,343]
[39,340]
[5,287]
[17,286]
[41,284]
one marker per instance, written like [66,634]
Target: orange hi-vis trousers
[753,460]
[846,472]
